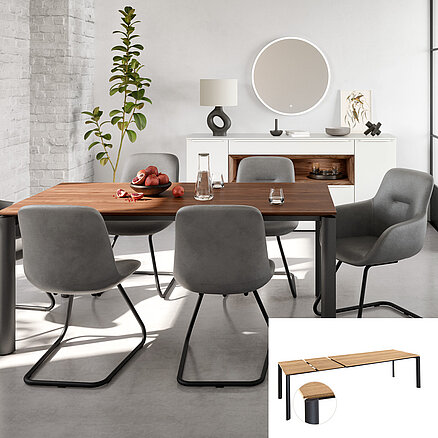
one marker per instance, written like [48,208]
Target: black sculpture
[226,122]
[276,132]
[373,129]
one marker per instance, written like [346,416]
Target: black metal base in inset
[311,410]
[290,277]
[155,272]
[218,383]
[40,308]
[363,305]
[218,130]
[79,384]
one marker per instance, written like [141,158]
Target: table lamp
[218,93]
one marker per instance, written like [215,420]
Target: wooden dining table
[302,202]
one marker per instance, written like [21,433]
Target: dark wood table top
[300,199]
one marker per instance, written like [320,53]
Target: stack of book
[293,133]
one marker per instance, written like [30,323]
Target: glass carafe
[203,187]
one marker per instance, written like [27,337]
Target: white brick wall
[14,99]
[62,68]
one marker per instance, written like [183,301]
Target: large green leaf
[93,144]
[129,107]
[100,155]
[138,46]
[103,161]
[88,133]
[114,120]
[120,48]
[87,113]
[140,121]
[114,112]
[131,135]
[107,136]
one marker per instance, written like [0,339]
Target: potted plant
[129,85]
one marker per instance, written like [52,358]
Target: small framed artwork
[355,109]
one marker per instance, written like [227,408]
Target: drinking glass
[315,167]
[276,196]
[335,168]
[203,186]
[218,181]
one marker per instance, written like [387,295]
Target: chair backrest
[266,169]
[166,163]
[66,248]
[219,248]
[403,194]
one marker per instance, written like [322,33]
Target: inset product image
[308,397]
[303,366]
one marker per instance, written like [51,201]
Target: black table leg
[280,383]
[393,369]
[317,258]
[311,410]
[7,284]
[287,397]
[417,359]
[328,267]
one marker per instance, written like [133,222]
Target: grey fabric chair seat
[385,229]
[66,250]
[355,250]
[124,267]
[272,170]
[220,249]
[279,228]
[136,228]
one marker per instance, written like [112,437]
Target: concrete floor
[229,341]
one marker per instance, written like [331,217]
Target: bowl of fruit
[150,182]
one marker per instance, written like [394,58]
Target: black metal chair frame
[218,383]
[290,277]
[361,304]
[40,308]
[68,383]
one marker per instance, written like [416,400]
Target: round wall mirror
[290,76]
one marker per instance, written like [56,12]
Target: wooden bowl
[151,190]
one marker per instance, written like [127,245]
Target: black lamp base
[218,130]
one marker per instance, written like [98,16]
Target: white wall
[377,45]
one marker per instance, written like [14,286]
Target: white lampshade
[218,92]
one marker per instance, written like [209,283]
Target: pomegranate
[151,170]
[136,196]
[163,178]
[120,193]
[152,180]
[141,171]
[178,191]
[139,179]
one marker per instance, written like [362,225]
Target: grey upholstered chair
[19,256]
[275,170]
[220,248]
[66,249]
[383,230]
[166,163]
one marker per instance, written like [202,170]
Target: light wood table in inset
[294,367]
[312,393]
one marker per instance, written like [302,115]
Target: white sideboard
[364,159]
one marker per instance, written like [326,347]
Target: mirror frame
[255,63]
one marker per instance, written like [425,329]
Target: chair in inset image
[168,164]
[275,170]
[66,250]
[19,256]
[383,230]
[220,249]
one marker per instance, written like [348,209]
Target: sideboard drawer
[291,147]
